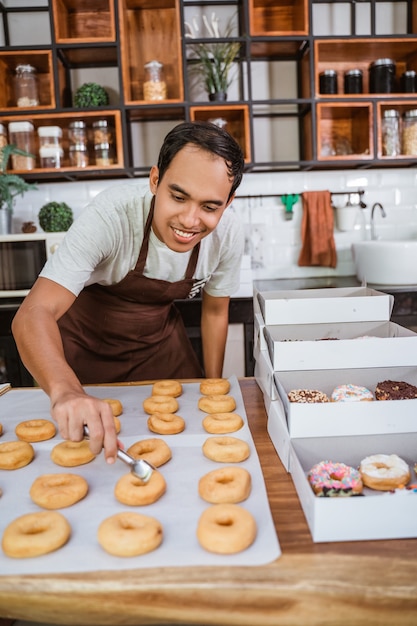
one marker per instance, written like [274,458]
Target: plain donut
[217,404]
[221,423]
[132,491]
[153,450]
[35,430]
[34,534]
[214,386]
[160,404]
[226,529]
[129,534]
[116,406]
[57,491]
[226,449]
[166,423]
[226,485]
[72,453]
[171,388]
[15,454]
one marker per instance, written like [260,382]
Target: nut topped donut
[35,430]
[217,404]
[309,396]
[214,386]
[171,388]
[160,404]
[395,390]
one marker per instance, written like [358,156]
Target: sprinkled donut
[217,404]
[171,388]
[166,423]
[384,472]
[351,393]
[214,386]
[334,479]
[129,534]
[309,396]
[35,430]
[154,450]
[226,529]
[15,454]
[226,449]
[160,404]
[226,485]
[57,491]
[222,423]
[35,534]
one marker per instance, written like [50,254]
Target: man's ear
[153,178]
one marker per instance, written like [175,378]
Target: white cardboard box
[308,306]
[375,515]
[264,375]
[354,344]
[347,418]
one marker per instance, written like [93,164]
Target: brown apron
[132,330]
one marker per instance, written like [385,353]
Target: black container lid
[379,62]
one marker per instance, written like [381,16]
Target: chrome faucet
[377,205]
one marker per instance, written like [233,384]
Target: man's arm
[38,340]
[214,325]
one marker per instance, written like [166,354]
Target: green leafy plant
[11,185]
[55,217]
[90,95]
[211,61]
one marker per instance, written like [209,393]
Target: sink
[386,261]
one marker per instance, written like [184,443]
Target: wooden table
[353,583]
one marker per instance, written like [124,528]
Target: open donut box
[291,356]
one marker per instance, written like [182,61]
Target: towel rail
[359,192]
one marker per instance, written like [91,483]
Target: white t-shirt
[103,245]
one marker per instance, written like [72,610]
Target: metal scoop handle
[139,467]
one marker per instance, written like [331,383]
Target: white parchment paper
[178,510]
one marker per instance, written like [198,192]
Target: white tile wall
[273,242]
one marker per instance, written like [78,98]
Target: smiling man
[102,309]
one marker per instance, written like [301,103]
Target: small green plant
[55,217]
[211,62]
[11,185]
[91,95]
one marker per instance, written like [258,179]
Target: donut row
[382,472]
[385,390]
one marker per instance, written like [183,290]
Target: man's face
[190,199]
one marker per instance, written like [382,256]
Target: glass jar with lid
[102,132]
[22,135]
[26,86]
[77,132]
[50,146]
[78,155]
[390,133]
[104,154]
[382,76]
[154,87]
[409,132]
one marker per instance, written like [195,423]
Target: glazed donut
[129,534]
[15,454]
[395,390]
[160,404]
[166,423]
[307,396]
[134,492]
[57,491]
[226,529]
[217,404]
[226,485]
[214,386]
[35,430]
[116,406]
[384,472]
[155,451]
[72,453]
[171,388]
[351,393]
[226,449]
[34,534]
[334,479]
[221,423]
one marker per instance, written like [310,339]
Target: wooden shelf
[278,17]
[237,118]
[344,131]
[83,21]
[39,59]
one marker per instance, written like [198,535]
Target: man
[102,308]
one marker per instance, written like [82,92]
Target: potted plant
[211,62]
[11,185]
[55,217]
[91,95]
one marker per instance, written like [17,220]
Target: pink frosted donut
[334,479]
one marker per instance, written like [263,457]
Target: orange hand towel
[318,247]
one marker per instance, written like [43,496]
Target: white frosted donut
[171,388]
[130,534]
[384,472]
[226,449]
[226,529]
[226,485]
[214,386]
[34,534]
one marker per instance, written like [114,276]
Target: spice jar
[104,154]
[26,86]
[328,82]
[409,132]
[50,146]
[154,87]
[353,81]
[22,135]
[382,76]
[390,133]
[102,132]
[77,132]
[78,155]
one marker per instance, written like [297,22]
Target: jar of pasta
[154,87]
[409,132]
[390,128]
[102,132]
